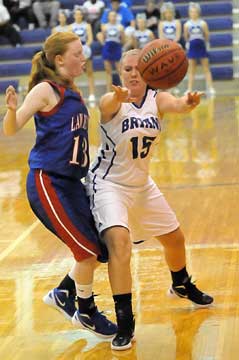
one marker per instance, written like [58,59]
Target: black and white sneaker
[188,290]
[124,337]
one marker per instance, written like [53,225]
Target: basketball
[162,64]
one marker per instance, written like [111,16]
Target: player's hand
[193,99]
[123,94]
[11,98]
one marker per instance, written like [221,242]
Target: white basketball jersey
[127,143]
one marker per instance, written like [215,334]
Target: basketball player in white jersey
[121,189]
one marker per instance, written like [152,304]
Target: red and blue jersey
[62,136]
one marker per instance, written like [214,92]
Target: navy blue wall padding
[220,56]
[98,64]
[96,48]
[38,35]
[5,83]
[208,9]
[19,53]
[220,24]
[222,73]
[15,69]
[30,36]
[220,40]
[69,4]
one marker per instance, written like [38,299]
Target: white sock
[84,291]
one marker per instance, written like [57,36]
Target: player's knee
[173,239]
[119,249]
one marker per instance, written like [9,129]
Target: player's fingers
[116,89]
[10,89]
[190,98]
[132,99]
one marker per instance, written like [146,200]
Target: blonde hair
[194,5]
[132,52]
[43,62]
[167,6]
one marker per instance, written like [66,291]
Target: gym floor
[196,165]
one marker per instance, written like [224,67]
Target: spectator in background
[142,35]
[7,29]
[21,10]
[169,27]
[125,16]
[153,16]
[93,10]
[44,9]
[112,39]
[196,34]
[62,19]
[81,28]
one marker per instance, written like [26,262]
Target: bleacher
[16,62]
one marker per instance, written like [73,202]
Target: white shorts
[143,210]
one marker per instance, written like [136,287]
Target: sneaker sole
[171,293]
[77,323]
[126,347]
[48,301]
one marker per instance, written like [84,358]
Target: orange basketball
[162,64]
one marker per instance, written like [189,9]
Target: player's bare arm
[40,98]
[168,103]
[110,103]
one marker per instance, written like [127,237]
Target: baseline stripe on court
[57,215]
[18,240]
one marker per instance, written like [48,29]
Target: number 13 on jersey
[80,154]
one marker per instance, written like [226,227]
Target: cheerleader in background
[169,27]
[196,35]
[84,31]
[112,38]
[62,19]
[141,36]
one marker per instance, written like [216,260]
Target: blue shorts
[197,49]
[62,205]
[112,51]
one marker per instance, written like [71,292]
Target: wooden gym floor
[197,166]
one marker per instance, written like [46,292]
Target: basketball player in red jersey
[58,162]
[122,191]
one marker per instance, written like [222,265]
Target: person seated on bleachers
[44,10]
[21,13]
[63,26]
[84,31]
[196,34]
[153,16]
[142,35]
[125,16]
[112,39]
[7,29]
[169,27]
[93,10]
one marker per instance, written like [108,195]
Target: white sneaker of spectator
[91,100]
[211,92]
